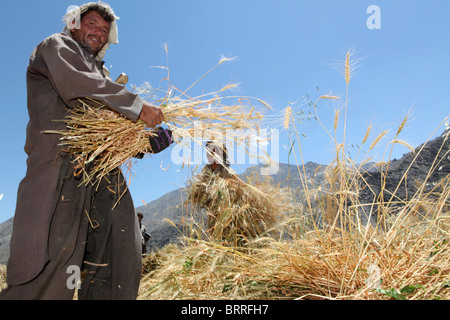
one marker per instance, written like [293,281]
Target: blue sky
[285,49]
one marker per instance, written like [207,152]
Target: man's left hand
[161,141]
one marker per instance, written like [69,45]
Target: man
[60,224]
[217,160]
[145,236]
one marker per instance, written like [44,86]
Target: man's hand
[161,141]
[151,115]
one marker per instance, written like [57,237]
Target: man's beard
[89,49]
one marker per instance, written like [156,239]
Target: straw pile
[236,211]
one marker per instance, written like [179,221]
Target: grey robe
[60,72]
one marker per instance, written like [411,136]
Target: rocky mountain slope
[424,168]
[5,236]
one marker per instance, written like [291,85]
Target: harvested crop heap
[236,211]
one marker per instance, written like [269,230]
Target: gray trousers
[97,234]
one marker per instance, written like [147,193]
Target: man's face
[213,154]
[93,32]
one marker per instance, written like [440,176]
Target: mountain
[171,207]
[426,166]
[5,237]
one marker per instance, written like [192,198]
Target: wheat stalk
[329,97]
[375,142]
[347,68]
[366,135]
[402,125]
[287,117]
[402,142]
[102,139]
[336,119]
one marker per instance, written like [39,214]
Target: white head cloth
[72,20]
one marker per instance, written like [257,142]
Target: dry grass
[406,257]
[409,261]
[2,277]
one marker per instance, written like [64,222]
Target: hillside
[416,172]
[5,236]
[429,162]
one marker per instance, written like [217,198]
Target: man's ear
[74,24]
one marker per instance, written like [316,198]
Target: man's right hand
[151,115]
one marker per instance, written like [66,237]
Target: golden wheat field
[405,257]
[317,247]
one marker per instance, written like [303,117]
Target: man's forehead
[215,148]
[94,15]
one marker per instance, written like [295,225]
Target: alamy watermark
[243,147]
[74,278]
[374,20]
[374,280]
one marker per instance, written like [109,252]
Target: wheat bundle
[103,140]
[236,211]
[209,116]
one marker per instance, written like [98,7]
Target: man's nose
[98,31]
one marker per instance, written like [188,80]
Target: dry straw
[236,211]
[102,140]
[3,283]
[366,135]
[377,140]
[407,257]
[409,260]
[347,68]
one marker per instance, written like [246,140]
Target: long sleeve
[74,74]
